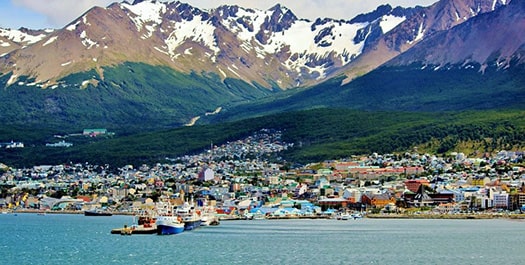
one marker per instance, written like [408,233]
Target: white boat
[344,216]
[357,216]
[208,216]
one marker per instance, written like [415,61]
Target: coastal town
[247,179]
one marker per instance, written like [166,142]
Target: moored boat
[191,217]
[209,216]
[169,225]
[97,212]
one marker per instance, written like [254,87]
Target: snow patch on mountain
[20,37]
[4,43]
[50,40]
[73,26]
[146,12]
[420,34]
[87,42]
[195,30]
[389,22]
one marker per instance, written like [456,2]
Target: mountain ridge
[271,47]
[185,62]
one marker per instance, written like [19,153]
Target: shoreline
[446,216]
[371,216]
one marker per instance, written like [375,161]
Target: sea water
[78,239]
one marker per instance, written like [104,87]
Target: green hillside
[408,88]
[317,134]
[135,97]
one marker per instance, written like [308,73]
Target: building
[94,132]
[414,184]
[378,200]
[206,174]
[500,200]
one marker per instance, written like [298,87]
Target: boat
[343,216]
[169,225]
[97,212]
[357,216]
[191,217]
[143,223]
[208,217]
[168,222]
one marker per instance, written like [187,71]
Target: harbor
[74,238]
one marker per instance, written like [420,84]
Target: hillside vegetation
[413,88]
[318,134]
[134,96]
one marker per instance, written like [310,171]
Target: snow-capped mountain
[168,63]
[494,39]
[273,47]
[442,16]
[12,39]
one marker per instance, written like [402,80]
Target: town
[241,180]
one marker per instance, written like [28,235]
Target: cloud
[60,12]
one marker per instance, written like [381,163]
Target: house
[206,174]
[377,200]
[12,144]
[422,198]
[414,184]
[500,200]
[479,181]
[352,194]
[517,201]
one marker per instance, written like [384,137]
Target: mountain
[475,65]
[13,39]
[494,39]
[441,16]
[272,48]
[166,64]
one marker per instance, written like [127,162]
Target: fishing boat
[169,225]
[191,217]
[168,222]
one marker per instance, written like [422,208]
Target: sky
[40,14]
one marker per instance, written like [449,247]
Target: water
[77,239]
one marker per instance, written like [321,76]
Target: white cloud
[61,12]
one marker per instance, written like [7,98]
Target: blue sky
[39,14]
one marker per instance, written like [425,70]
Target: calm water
[77,239]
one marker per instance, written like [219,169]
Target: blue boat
[169,225]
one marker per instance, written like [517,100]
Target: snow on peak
[389,22]
[146,12]
[196,30]
[20,37]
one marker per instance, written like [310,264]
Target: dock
[134,230]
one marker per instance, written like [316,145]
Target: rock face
[495,38]
[424,23]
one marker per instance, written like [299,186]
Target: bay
[78,239]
